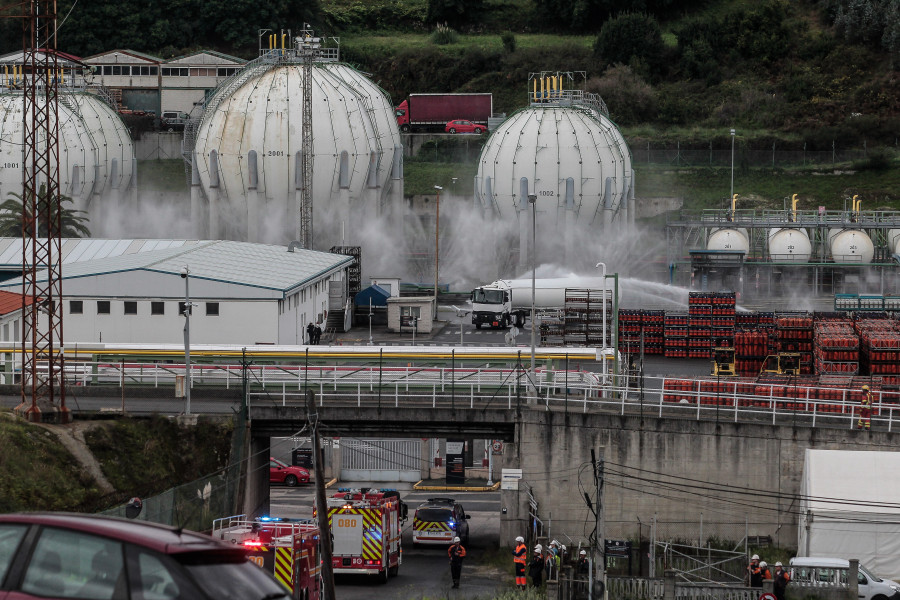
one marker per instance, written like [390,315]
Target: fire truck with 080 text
[365,529]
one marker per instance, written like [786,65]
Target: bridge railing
[699,399]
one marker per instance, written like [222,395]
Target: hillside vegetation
[809,71]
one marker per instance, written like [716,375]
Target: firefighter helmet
[456,540]
[520,539]
[763,564]
[754,557]
[866,388]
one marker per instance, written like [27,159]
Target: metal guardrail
[498,388]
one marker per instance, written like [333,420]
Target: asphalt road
[425,571]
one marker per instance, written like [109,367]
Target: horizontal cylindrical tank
[548,293]
[850,246]
[729,238]
[789,245]
[893,237]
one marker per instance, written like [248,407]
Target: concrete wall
[161,145]
[751,460]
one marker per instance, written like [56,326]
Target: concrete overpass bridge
[726,469]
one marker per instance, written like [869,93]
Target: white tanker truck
[508,301]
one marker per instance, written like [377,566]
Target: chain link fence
[196,504]
[679,154]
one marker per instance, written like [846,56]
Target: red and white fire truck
[288,548]
[365,526]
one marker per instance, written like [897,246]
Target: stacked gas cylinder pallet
[751,344]
[880,347]
[710,322]
[676,335]
[794,333]
[633,324]
[836,345]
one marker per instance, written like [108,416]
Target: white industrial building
[241,293]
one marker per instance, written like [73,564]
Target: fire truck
[365,529]
[287,548]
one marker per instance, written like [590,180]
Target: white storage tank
[789,245]
[850,246]
[728,238]
[95,149]
[247,153]
[893,238]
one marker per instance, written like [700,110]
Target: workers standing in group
[520,556]
[782,579]
[764,573]
[754,576]
[536,566]
[865,409]
[457,553]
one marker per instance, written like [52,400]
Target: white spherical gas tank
[729,238]
[789,245]
[850,246]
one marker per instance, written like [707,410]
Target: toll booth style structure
[411,313]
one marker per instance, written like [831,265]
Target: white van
[820,570]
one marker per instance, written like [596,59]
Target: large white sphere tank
[555,152]
[789,245]
[850,246]
[95,148]
[729,238]
[893,238]
[355,145]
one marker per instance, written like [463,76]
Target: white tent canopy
[850,508]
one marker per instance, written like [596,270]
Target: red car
[463,126]
[286,474]
[61,555]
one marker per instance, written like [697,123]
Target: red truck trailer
[431,112]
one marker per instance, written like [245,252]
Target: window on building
[157,308]
[102,307]
[181,72]
[226,71]
[117,70]
[130,307]
[212,309]
[6,332]
[107,69]
[154,70]
[76,307]
[166,71]
[411,311]
[181,309]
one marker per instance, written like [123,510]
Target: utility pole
[321,505]
[598,515]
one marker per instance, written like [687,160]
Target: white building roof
[271,270]
[206,57]
[80,249]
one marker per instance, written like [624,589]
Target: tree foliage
[455,13]
[72,222]
[631,38]
[875,23]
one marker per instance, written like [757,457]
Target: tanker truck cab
[814,570]
[492,306]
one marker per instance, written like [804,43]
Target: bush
[631,38]
[509,41]
[878,159]
[444,35]
[629,98]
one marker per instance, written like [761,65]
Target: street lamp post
[370,322]
[437,231]
[532,199]
[185,272]
[732,164]
[603,277]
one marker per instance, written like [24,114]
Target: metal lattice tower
[309,49]
[42,358]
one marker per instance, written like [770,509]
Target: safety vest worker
[520,555]
[865,409]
